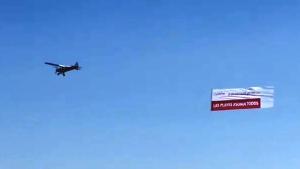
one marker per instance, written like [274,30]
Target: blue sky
[142,99]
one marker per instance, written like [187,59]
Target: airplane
[62,69]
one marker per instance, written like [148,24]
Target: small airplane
[62,69]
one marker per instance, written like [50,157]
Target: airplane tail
[77,66]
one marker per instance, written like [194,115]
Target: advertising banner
[242,98]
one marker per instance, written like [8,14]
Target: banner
[242,98]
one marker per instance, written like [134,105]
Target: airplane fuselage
[63,70]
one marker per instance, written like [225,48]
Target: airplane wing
[52,64]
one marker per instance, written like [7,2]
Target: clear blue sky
[142,99]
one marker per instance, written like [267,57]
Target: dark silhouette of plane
[62,69]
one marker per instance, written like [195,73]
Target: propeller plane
[62,69]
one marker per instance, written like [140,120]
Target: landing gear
[59,73]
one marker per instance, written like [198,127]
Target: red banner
[235,104]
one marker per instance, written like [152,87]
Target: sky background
[142,98]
